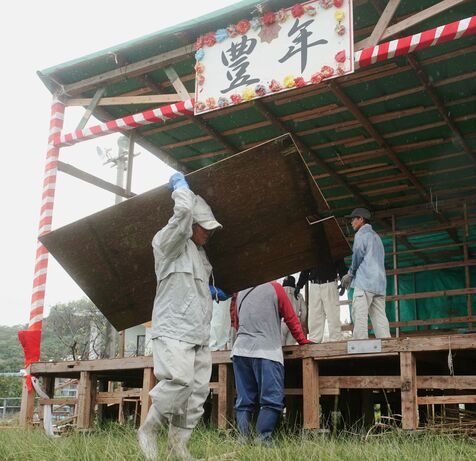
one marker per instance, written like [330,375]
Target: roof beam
[381,25]
[130,70]
[126,100]
[92,104]
[427,85]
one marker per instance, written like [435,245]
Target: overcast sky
[36,35]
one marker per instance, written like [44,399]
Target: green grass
[116,443]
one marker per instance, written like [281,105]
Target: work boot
[147,433]
[177,444]
[267,421]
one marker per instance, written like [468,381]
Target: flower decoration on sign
[310,10]
[339,15]
[223,101]
[220,35]
[236,98]
[211,103]
[269,33]
[200,79]
[199,106]
[340,56]
[275,86]
[209,39]
[199,43]
[199,54]
[255,23]
[260,90]
[268,18]
[297,10]
[299,82]
[340,29]
[289,81]
[199,68]
[327,71]
[243,26]
[232,32]
[340,71]
[282,15]
[325,4]
[249,93]
[316,78]
[338,3]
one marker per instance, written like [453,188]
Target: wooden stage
[405,375]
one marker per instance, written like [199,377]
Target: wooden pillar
[148,382]
[310,393]
[86,399]
[48,384]
[408,390]
[27,406]
[395,275]
[225,395]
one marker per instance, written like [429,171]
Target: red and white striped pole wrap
[406,45]
[31,338]
[160,114]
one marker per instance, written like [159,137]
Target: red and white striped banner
[161,114]
[406,45]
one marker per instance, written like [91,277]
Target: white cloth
[183,371]
[220,330]
[300,307]
[183,304]
[324,303]
[365,303]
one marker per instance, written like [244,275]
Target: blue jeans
[258,381]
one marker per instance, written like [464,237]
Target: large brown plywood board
[264,198]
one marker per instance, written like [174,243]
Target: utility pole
[114,340]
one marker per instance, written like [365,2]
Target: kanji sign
[276,52]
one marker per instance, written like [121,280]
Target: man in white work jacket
[181,322]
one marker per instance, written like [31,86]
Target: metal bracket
[367,346]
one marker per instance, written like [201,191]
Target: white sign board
[276,52]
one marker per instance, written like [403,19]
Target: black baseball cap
[359,212]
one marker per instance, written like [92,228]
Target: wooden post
[86,399]
[27,406]
[310,393]
[48,384]
[148,383]
[395,275]
[225,395]
[408,390]
[467,272]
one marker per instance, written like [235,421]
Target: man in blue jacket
[367,276]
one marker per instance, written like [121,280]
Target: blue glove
[218,293]
[178,180]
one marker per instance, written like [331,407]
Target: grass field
[117,443]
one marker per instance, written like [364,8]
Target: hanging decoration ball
[275,86]
[299,82]
[338,3]
[327,71]
[209,39]
[260,90]
[316,78]
[340,56]
[340,29]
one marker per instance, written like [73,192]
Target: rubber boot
[243,419]
[267,421]
[177,444]
[147,433]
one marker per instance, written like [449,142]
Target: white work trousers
[324,303]
[365,303]
[183,371]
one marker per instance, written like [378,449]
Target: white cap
[202,214]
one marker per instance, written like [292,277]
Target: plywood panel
[263,197]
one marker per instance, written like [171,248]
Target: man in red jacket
[258,357]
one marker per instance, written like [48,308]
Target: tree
[11,353]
